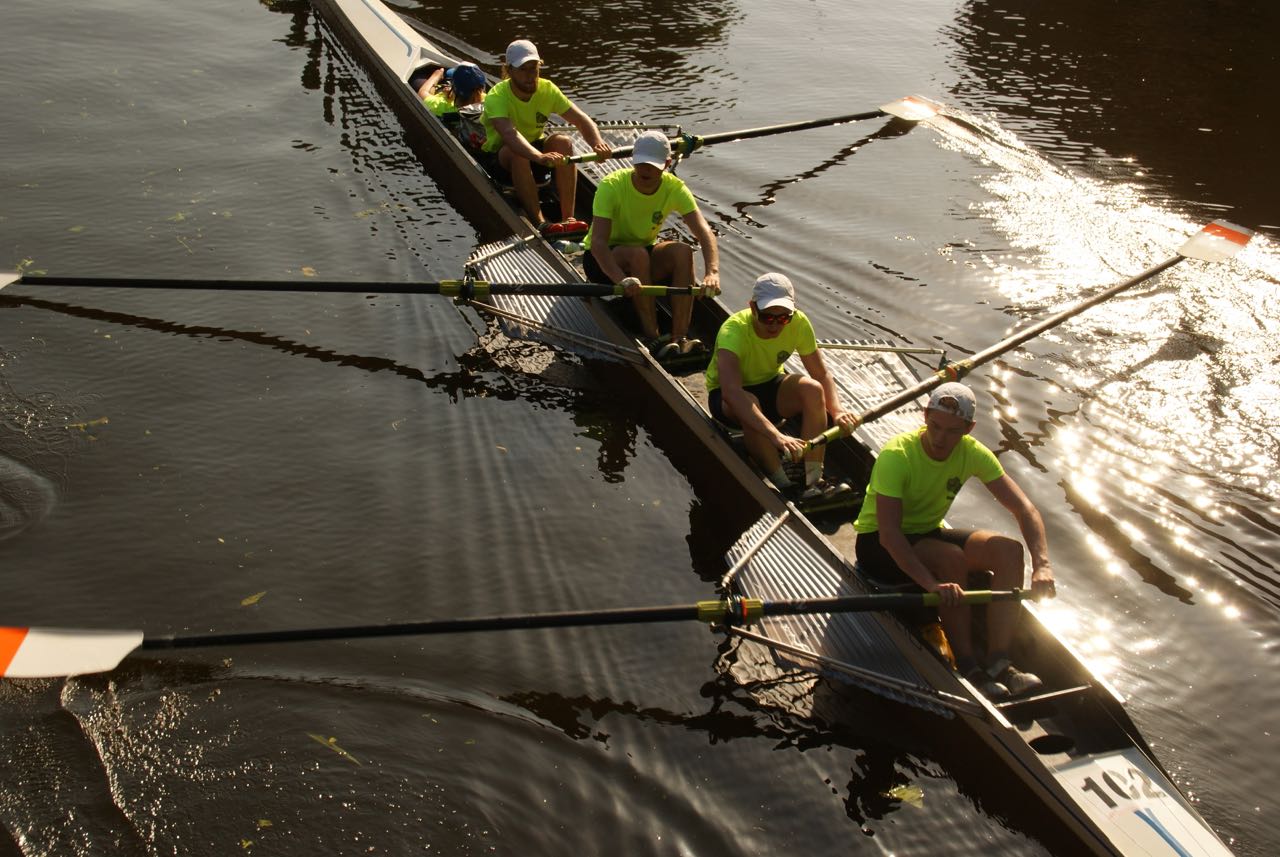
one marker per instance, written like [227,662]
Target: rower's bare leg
[521,170]
[800,395]
[634,262]
[1003,556]
[759,446]
[673,263]
[566,174]
[948,564]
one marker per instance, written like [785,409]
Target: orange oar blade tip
[1218,241]
[913,108]
[53,652]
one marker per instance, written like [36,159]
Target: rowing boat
[1072,745]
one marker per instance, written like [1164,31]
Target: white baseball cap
[954,398]
[520,52]
[651,147]
[774,290]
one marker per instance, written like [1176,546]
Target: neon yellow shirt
[637,217]
[759,359]
[925,486]
[529,117]
[440,105]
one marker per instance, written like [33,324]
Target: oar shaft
[570,619]
[687,144]
[769,130]
[448,288]
[731,610]
[956,371]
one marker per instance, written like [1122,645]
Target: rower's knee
[1007,560]
[558,143]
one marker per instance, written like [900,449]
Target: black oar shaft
[732,610]
[449,288]
[687,144]
[769,130]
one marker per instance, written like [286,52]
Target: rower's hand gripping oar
[1218,241]
[462,289]
[54,652]
[913,108]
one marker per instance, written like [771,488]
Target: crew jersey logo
[541,118]
[782,356]
[953,487]
[657,217]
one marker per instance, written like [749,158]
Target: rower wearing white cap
[747,387]
[630,208]
[901,537]
[515,115]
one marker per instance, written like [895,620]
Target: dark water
[202,462]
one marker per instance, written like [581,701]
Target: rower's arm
[587,128]
[889,524]
[601,230]
[514,140]
[710,252]
[1031,525]
[429,85]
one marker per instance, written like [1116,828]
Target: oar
[51,652]
[448,288]
[913,108]
[1218,241]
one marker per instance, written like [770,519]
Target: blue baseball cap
[466,78]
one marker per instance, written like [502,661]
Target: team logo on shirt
[783,355]
[657,217]
[542,118]
[953,487]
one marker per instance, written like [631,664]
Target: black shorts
[878,566]
[766,394]
[499,173]
[596,275]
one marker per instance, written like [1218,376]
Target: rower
[622,245]
[515,115]
[747,387]
[460,103]
[902,540]
[465,85]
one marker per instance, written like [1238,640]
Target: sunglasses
[779,318]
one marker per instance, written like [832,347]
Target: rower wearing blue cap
[465,86]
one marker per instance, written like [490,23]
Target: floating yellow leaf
[264,823]
[179,217]
[501,448]
[100,421]
[246,844]
[76,229]
[252,599]
[912,795]
[308,271]
[332,744]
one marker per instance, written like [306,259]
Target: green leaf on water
[332,744]
[252,599]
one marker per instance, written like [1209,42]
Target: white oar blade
[7,277]
[913,108]
[53,652]
[1218,241]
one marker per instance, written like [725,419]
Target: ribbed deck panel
[787,567]
[865,379]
